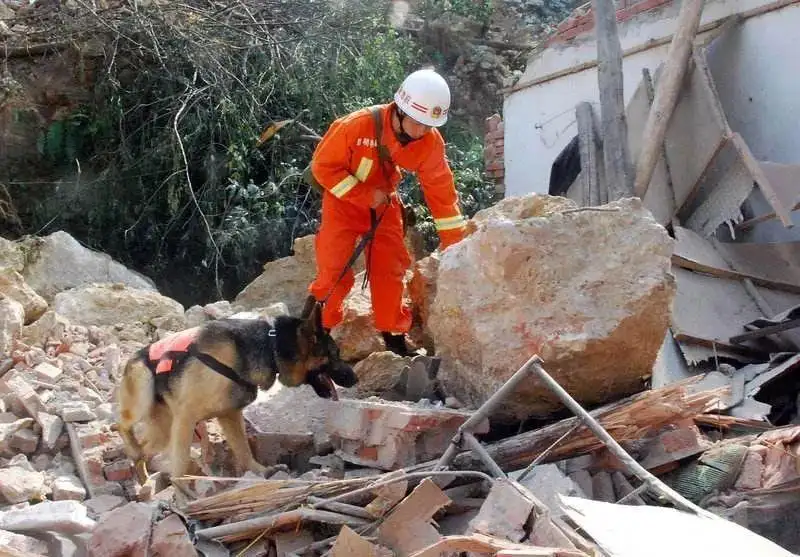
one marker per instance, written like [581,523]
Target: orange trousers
[342,226]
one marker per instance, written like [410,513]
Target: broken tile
[408,527]
[504,514]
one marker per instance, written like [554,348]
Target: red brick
[368,453]
[119,471]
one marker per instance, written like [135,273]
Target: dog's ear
[311,303]
[312,320]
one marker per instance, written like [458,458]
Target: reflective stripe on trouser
[342,225]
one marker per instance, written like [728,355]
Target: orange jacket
[346,164]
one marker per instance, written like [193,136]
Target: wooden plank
[616,158]
[779,262]
[667,91]
[697,131]
[724,187]
[766,331]
[695,253]
[710,308]
[770,192]
[408,528]
[785,180]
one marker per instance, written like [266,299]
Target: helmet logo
[436,112]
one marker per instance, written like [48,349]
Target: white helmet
[425,97]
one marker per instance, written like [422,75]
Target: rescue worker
[356,190]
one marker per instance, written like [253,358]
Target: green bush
[175,182]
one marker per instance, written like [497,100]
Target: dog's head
[317,361]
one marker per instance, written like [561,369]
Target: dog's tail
[136,396]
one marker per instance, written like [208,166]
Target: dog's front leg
[232,424]
[180,444]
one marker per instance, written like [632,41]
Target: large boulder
[285,280]
[589,290]
[109,304]
[59,262]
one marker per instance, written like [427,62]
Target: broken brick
[170,539]
[123,532]
[390,435]
[504,513]
[48,373]
[118,471]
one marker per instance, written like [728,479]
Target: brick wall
[582,21]
[493,151]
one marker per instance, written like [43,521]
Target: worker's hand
[379,198]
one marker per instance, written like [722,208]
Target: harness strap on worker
[375,219]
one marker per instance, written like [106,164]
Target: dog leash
[365,239]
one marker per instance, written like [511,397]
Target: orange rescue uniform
[347,166]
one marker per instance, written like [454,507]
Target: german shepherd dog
[215,372]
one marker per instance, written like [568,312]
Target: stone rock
[123,532]
[103,504]
[269,312]
[109,304]
[25,441]
[219,310]
[588,291]
[195,316]
[62,517]
[18,544]
[58,262]
[52,426]
[170,539]
[287,422]
[7,432]
[50,327]
[18,485]
[422,289]
[286,279]
[12,317]
[14,286]
[378,373]
[356,334]
[547,482]
[513,209]
[77,411]
[68,488]
[12,255]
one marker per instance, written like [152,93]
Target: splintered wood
[626,420]
[266,496]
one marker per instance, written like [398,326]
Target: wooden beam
[667,89]
[766,331]
[588,150]
[616,156]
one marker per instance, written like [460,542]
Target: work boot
[396,343]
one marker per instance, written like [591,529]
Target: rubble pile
[413,460]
